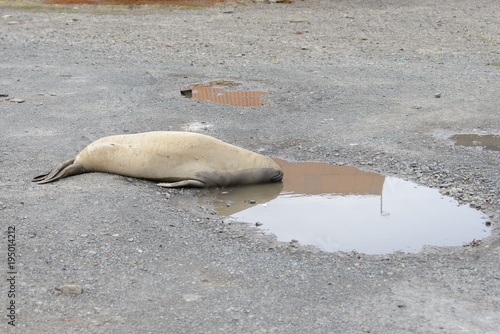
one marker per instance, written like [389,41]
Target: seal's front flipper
[184,183]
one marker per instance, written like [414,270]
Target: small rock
[416,107]
[16,100]
[70,289]
[191,297]
[437,95]
[258,224]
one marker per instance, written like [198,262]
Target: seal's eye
[278,177]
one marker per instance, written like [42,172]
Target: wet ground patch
[479,142]
[342,208]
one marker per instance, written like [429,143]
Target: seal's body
[177,159]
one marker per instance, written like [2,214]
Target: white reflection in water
[404,216]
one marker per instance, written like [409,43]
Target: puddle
[341,208]
[480,142]
[209,92]
[135,2]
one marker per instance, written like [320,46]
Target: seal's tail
[64,169]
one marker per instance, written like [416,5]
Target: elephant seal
[176,159]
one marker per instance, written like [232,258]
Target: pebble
[191,297]
[17,100]
[70,289]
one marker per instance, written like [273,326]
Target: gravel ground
[349,82]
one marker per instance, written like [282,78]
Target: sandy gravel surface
[350,82]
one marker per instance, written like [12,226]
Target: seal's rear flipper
[64,169]
[185,183]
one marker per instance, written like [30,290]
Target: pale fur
[176,159]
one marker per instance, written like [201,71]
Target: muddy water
[210,92]
[135,2]
[480,142]
[341,208]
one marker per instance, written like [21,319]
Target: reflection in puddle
[341,208]
[135,2]
[207,92]
[316,178]
[481,142]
